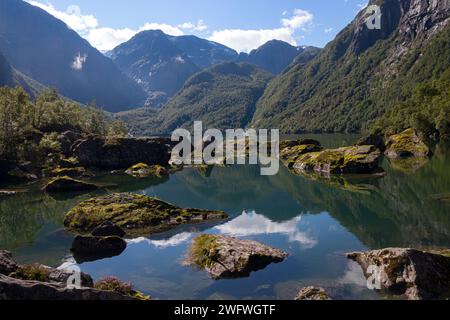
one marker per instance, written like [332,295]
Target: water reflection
[251,224]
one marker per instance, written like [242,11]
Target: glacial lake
[316,220]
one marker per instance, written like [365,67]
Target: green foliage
[115,285]
[223,97]
[346,90]
[29,130]
[32,273]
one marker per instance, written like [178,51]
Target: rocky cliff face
[362,73]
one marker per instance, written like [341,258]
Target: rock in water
[108,229]
[226,257]
[405,145]
[290,151]
[347,160]
[312,293]
[86,248]
[376,140]
[409,273]
[142,170]
[121,153]
[67,184]
[136,214]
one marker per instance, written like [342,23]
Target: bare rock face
[122,153]
[312,293]
[7,264]
[406,145]
[408,273]
[227,257]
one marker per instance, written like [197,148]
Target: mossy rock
[74,172]
[136,214]
[405,145]
[346,160]
[67,184]
[290,154]
[142,170]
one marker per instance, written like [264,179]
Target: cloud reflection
[251,223]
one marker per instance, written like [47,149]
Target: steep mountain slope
[223,96]
[161,64]
[274,56]
[6,72]
[46,50]
[362,73]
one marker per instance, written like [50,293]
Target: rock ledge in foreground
[227,257]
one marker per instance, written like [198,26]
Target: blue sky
[241,24]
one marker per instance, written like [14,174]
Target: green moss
[133,212]
[203,250]
[142,170]
[408,143]
[32,273]
[115,285]
[68,184]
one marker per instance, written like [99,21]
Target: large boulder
[136,214]
[346,160]
[408,273]
[405,145]
[291,151]
[108,229]
[122,153]
[312,293]
[7,264]
[376,140]
[227,257]
[90,248]
[67,184]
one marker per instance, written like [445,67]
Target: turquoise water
[315,220]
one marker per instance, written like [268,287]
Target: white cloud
[247,40]
[104,38]
[328,30]
[78,61]
[200,26]
[171,242]
[72,17]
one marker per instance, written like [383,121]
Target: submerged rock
[347,160]
[292,150]
[90,248]
[227,257]
[405,145]
[408,273]
[122,153]
[312,293]
[135,214]
[39,282]
[67,184]
[108,229]
[142,170]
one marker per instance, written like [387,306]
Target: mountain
[275,55]
[364,73]
[6,72]
[161,63]
[44,49]
[222,96]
